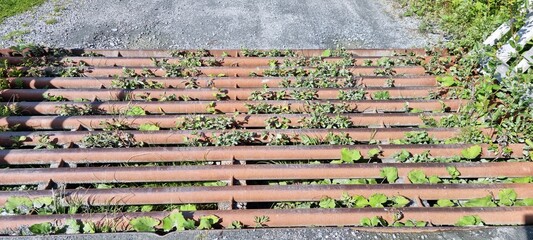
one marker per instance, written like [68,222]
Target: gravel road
[215,24]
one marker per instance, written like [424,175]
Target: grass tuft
[10,8]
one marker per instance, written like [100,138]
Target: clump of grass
[15,34]
[51,21]
[10,8]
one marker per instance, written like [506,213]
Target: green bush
[466,22]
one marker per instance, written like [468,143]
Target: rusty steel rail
[170,121]
[232,52]
[207,82]
[203,94]
[85,175]
[230,106]
[298,217]
[219,61]
[239,153]
[274,193]
[167,137]
[243,72]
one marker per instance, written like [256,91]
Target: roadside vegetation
[10,8]
[504,105]
[466,23]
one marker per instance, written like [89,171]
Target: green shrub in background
[466,22]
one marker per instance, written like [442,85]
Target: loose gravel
[215,24]
[474,233]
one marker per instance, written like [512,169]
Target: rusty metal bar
[218,61]
[242,71]
[265,193]
[230,106]
[223,61]
[239,153]
[233,52]
[169,121]
[201,94]
[178,137]
[207,82]
[300,217]
[253,172]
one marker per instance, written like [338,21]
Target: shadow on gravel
[529,230]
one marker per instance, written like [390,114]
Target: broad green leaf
[336,162]
[390,173]
[371,181]
[144,224]
[373,222]
[416,110]
[378,221]
[360,201]
[345,197]
[527,202]
[189,224]
[507,197]
[522,180]
[377,200]
[374,152]
[529,143]
[471,220]
[215,184]
[178,221]
[89,227]
[471,152]
[434,180]
[401,201]
[41,228]
[326,53]
[325,182]
[19,138]
[417,177]
[42,202]
[327,203]
[446,81]
[148,127]
[480,202]
[18,204]
[365,222]
[414,223]
[421,223]
[135,111]
[403,155]
[147,208]
[207,222]
[235,225]
[73,209]
[398,224]
[445,203]
[349,156]
[452,170]
[188,207]
[72,226]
